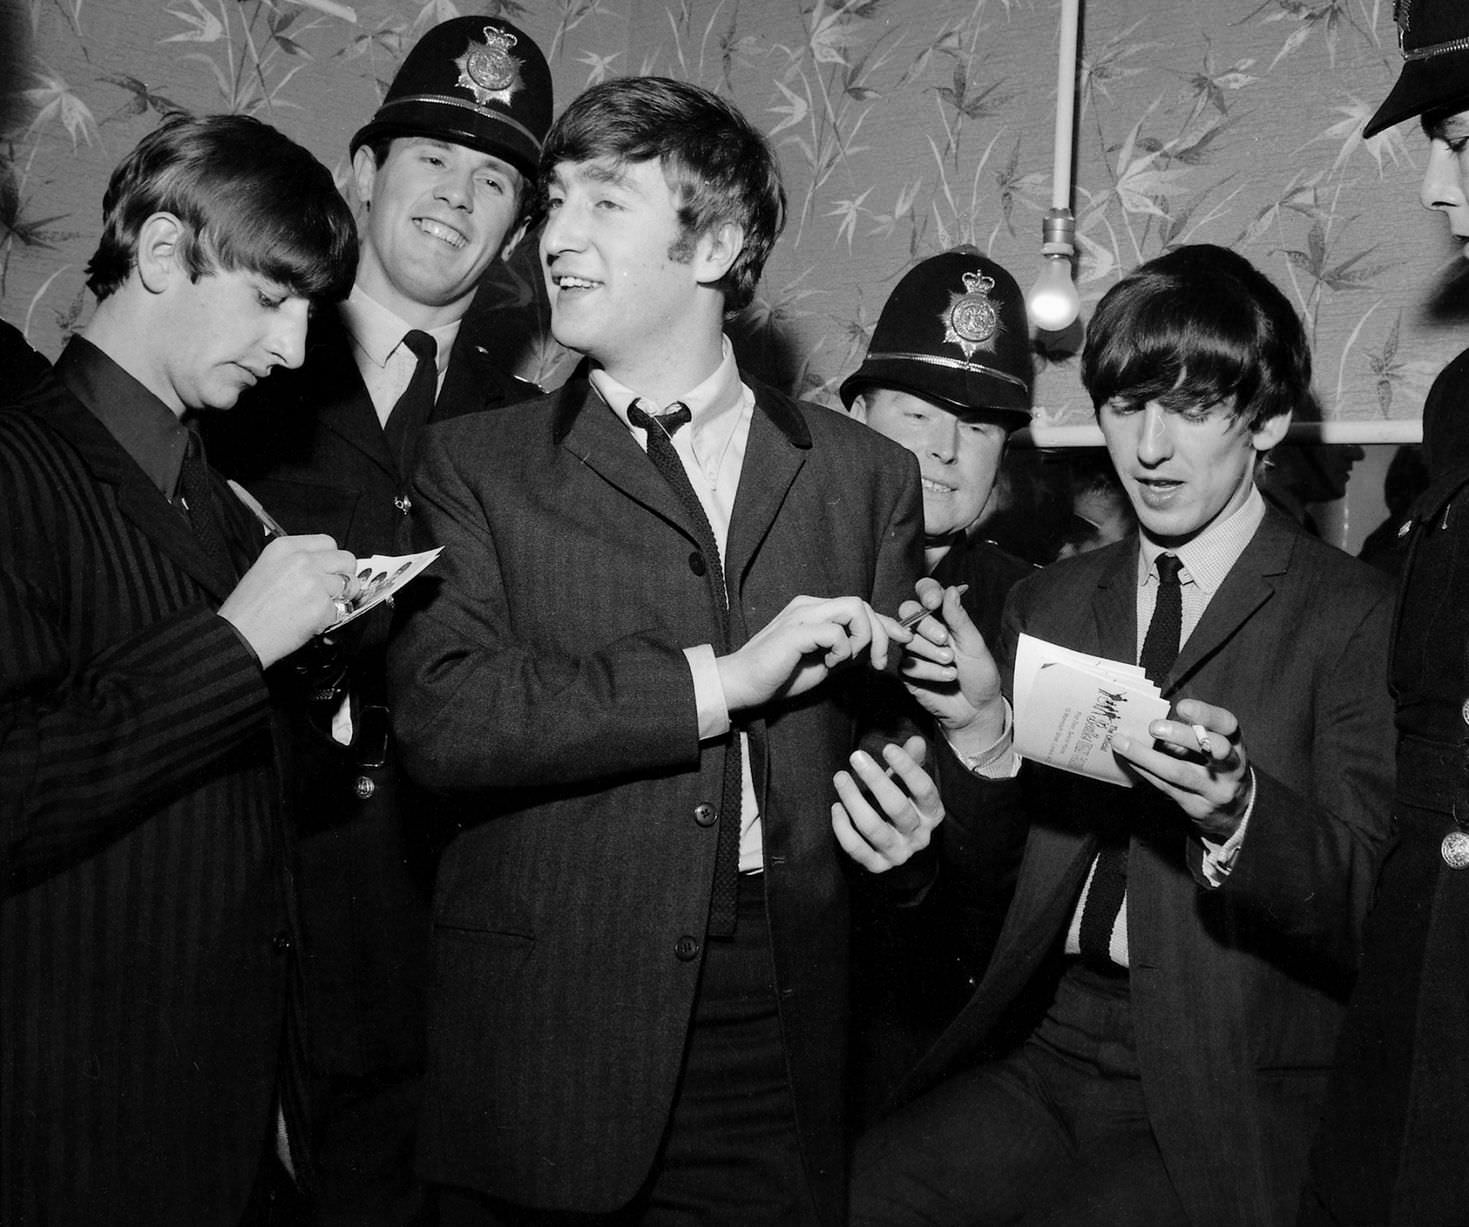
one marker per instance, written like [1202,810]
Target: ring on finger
[341,607]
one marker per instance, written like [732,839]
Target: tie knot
[1168,568]
[678,415]
[420,344]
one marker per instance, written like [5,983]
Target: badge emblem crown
[488,70]
[972,317]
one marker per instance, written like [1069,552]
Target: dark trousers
[1056,1133]
[731,1157]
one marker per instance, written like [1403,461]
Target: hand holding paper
[1212,786]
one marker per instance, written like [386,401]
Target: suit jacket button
[705,814]
[686,948]
[697,564]
[281,943]
[1455,850]
[364,787]
[1464,712]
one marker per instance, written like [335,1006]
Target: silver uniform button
[1455,849]
[1464,712]
[365,788]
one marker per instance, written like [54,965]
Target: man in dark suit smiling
[444,173]
[641,940]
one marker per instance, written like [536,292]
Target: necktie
[1109,880]
[661,430]
[198,499]
[411,410]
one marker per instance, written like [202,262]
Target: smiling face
[958,457]
[1184,467]
[628,287]
[437,215]
[1446,181]
[218,336]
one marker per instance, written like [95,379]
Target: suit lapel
[338,397]
[137,497]
[774,454]
[595,435]
[1114,605]
[1248,586]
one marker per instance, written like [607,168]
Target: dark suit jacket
[308,444]
[146,926]
[1236,993]
[546,677]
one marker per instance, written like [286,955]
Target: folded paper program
[1069,706]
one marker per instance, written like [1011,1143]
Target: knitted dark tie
[1109,881]
[665,459]
[411,411]
[198,498]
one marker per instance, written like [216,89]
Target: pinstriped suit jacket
[546,680]
[145,909]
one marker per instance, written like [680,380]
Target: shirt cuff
[999,761]
[1219,859]
[708,692]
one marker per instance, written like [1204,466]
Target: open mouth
[437,230]
[565,281]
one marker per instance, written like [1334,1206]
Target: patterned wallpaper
[904,126]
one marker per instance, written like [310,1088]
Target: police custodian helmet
[475,81]
[954,331]
[1434,38]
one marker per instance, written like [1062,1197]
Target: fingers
[1199,760]
[884,815]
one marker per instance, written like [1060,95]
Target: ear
[859,407]
[1271,432]
[717,250]
[512,240]
[157,256]
[364,173]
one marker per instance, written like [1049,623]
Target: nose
[560,232]
[287,341]
[456,189]
[1155,438]
[1442,188]
[941,437]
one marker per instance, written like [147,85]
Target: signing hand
[910,807]
[1204,769]
[297,588]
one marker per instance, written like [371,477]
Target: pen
[913,619]
[272,529]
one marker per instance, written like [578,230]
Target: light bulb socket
[1058,233]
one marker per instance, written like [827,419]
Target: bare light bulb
[1053,302]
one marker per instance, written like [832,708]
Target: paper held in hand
[1068,707]
[382,576]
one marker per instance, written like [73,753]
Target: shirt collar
[144,427]
[378,331]
[1210,556]
[713,403]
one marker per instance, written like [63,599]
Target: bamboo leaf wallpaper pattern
[903,126]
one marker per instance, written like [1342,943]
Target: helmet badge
[972,317]
[488,70]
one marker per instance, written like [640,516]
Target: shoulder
[524,424]
[1330,575]
[1080,572]
[832,430]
